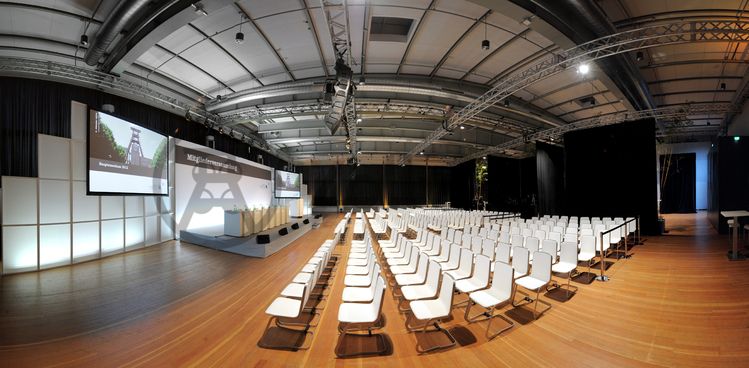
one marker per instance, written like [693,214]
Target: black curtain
[462,187]
[550,177]
[504,184]
[360,185]
[611,171]
[438,180]
[678,192]
[321,184]
[29,107]
[528,187]
[733,179]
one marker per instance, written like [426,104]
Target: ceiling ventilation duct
[123,14]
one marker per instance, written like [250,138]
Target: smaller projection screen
[125,158]
[288,184]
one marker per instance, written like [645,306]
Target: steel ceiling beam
[680,111]
[177,56]
[315,37]
[229,54]
[657,35]
[495,51]
[414,35]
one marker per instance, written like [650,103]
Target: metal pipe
[123,14]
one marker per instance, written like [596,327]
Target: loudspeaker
[318,216]
[283,231]
[263,238]
[306,221]
[295,226]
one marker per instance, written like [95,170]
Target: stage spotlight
[507,102]
[639,56]
[358,120]
[583,68]
[84,40]
[239,38]
[462,127]
[485,45]
[723,86]
[421,153]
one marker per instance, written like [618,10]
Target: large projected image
[288,185]
[125,158]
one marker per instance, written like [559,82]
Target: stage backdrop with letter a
[207,182]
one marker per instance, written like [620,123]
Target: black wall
[462,185]
[512,185]
[550,177]
[729,184]
[29,107]
[678,193]
[377,185]
[611,171]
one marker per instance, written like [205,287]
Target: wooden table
[734,255]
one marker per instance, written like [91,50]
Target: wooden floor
[676,302]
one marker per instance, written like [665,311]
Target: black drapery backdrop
[29,107]
[377,185]
[550,177]
[611,171]
[512,185]
[462,185]
[728,179]
[678,193]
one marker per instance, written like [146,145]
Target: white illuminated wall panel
[133,206]
[112,236]
[54,245]
[54,201]
[19,247]
[152,230]
[151,205]
[78,160]
[167,230]
[78,120]
[85,241]
[112,207]
[54,157]
[19,201]
[134,236]
[85,208]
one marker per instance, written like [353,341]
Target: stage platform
[248,246]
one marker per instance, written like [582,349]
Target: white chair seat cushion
[516,274]
[397,261]
[459,274]
[284,307]
[530,283]
[468,285]
[357,294]
[397,270]
[315,259]
[584,256]
[489,298]
[439,259]
[408,279]
[293,290]
[357,261]
[426,309]
[357,280]
[357,270]
[302,278]
[309,268]
[397,254]
[563,267]
[358,255]
[414,292]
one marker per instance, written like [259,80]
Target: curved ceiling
[416,62]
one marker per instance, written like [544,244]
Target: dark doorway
[678,183]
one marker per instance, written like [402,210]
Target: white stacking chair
[444,254]
[410,267]
[533,245]
[517,241]
[540,234]
[497,295]
[550,247]
[432,311]
[503,253]
[426,290]
[520,258]
[536,281]
[360,294]
[480,277]
[465,269]
[453,260]
[362,270]
[566,266]
[488,247]
[587,250]
[504,238]
[283,310]
[476,244]
[526,232]
[555,236]
[416,278]
[360,316]
[435,248]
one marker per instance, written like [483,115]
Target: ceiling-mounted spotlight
[507,102]
[485,45]
[362,81]
[421,153]
[527,21]
[358,120]
[462,126]
[583,68]
[639,56]
[723,86]
[220,130]
[239,37]
[84,40]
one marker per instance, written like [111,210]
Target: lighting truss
[630,40]
[679,112]
[116,85]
